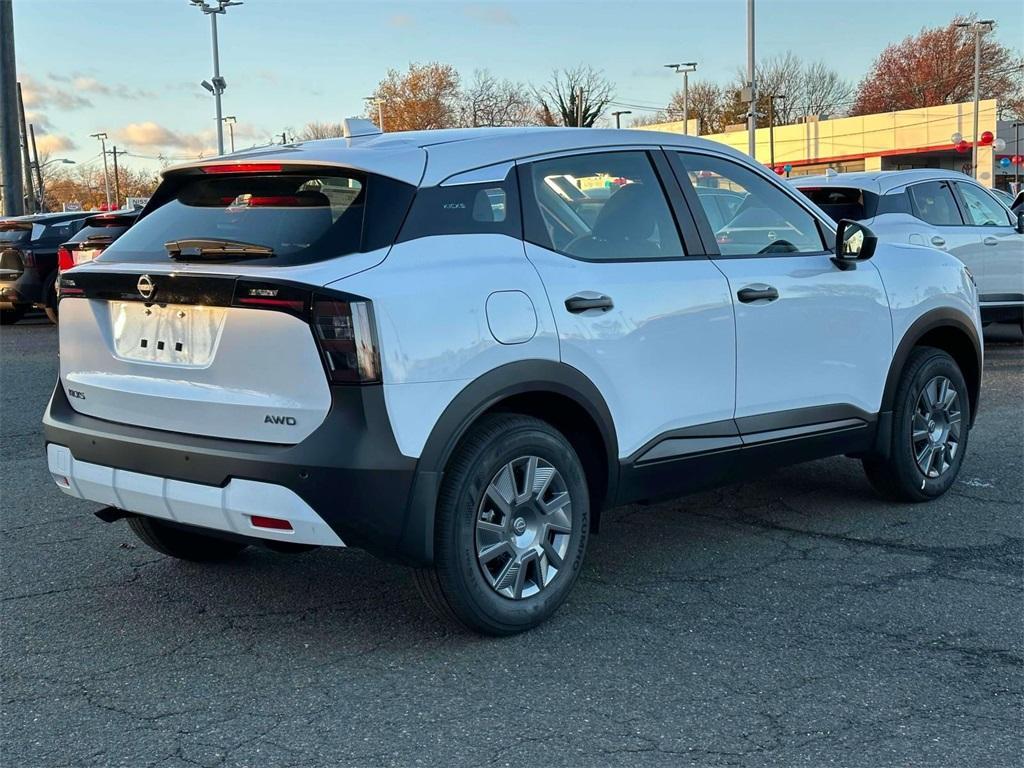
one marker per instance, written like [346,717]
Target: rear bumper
[231,509]
[27,288]
[348,473]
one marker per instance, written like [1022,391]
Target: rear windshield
[843,202]
[299,216]
[14,231]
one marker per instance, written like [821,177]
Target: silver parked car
[942,209]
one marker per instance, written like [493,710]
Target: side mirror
[1020,222]
[854,242]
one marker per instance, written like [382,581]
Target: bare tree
[574,97]
[489,101]
[316,130]
[800,88]
[707,104]
[823,91]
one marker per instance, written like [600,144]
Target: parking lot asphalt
[793,621]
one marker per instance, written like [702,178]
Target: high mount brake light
[344,331]
[242,168]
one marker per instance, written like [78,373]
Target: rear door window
[933,202]
[602,206]
[288,218]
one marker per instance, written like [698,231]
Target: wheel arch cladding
[948,330]
[551,391]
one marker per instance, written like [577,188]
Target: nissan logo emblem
[146,287]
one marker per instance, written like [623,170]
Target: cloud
[39,120]
[51,143]
[489,14]
[151,135]
[401,20]
[43,95]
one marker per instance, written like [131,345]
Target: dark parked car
[92,239]
[28,261]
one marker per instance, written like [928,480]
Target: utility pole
[230,120]
[26,160]
[579,106]
[39,173]
[771,126]
[10,158]
[685,69]
[103,150]
[979,27]
[284,139]
[218,85]
[619,114]
[117,181]
[751,85]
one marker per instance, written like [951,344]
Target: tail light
[343,327]
[64,259]
[344,331]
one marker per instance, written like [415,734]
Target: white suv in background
[419,344]
[941,209]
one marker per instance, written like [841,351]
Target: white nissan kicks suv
[456,348]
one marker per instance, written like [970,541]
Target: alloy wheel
[935,429]
[523,527]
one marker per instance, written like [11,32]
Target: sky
[132,68]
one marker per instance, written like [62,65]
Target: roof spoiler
[356,128]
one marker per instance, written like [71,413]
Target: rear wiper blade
[201,247]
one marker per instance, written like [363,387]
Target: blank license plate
[172,334]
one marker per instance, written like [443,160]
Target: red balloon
[780,170]
[962,147]
[986,138]
[1017,160]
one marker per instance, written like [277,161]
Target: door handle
[577,304]
[938,242]
[757,292]
[990,241]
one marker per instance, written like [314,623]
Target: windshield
[299,216]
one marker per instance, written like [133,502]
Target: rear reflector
[243,168]
[272,523]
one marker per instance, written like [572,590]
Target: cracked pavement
[795,620]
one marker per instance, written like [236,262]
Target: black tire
[899,478]
[11,316]
[456,587]
[183,542]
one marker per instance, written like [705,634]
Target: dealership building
[909,138]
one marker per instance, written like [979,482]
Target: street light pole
[218,85]
[685,69]
[979,28]
[373,100]
[751,85]
[619,114]
[230,120]
[106,176]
